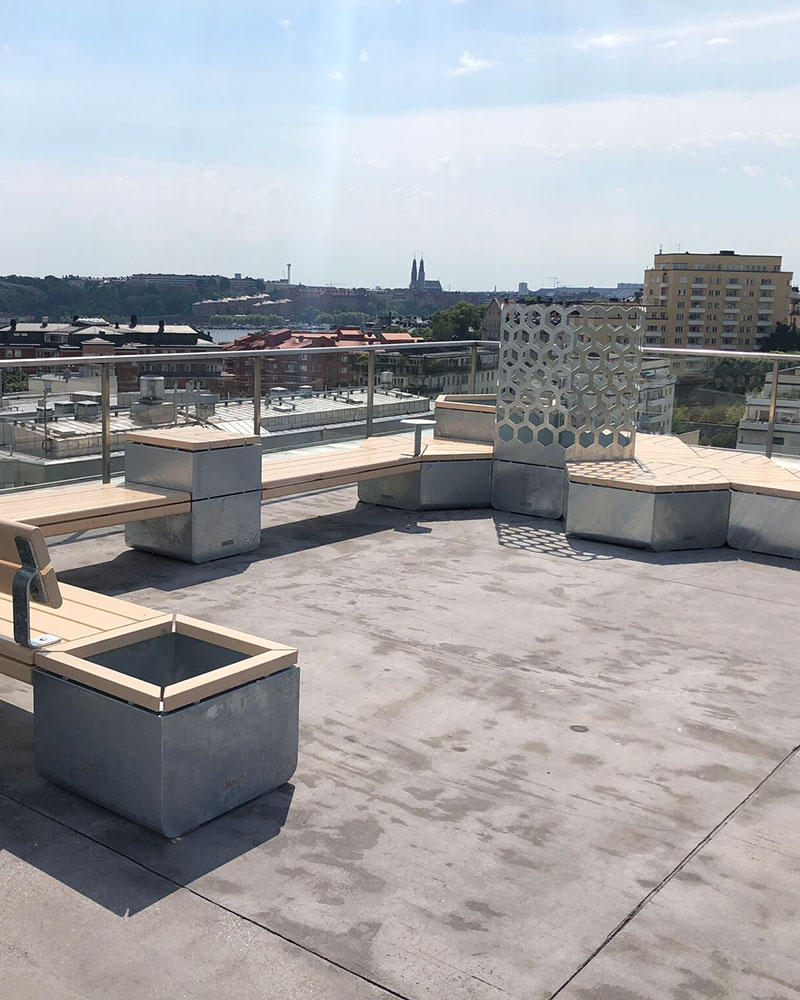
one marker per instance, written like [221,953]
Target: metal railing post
[370,390]
[105,419]
[773,399]
[473,370]
[257,362]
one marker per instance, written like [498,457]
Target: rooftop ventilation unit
[152,387]
[87,410]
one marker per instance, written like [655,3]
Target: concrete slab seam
[675,871]
[207,899]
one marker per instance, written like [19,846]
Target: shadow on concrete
[129,570]
[548,537]
[68,837]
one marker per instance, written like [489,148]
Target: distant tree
[784,338]
[737,376]
[461,321]
[734,413]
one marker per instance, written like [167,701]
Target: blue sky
[510,140]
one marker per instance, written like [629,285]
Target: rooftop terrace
[530,766]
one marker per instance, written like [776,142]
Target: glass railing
[70,421]
[65,419]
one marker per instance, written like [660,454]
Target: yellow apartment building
[719,300]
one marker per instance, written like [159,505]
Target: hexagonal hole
[605,438]
[566,439]
[577,418]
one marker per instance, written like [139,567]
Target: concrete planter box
[465,418]
[222,474]
[170,723]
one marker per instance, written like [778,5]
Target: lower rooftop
[530,766]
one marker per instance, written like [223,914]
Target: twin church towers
[418,282]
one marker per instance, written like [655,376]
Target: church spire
[413,274]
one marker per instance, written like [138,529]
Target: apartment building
[716,300]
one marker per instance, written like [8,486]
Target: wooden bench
[310,469]
[677,499]
[59,510]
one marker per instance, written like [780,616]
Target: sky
[507,140]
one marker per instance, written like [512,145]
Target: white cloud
[336,74]
[606,41]
[715,32]
[321,198]
[284,22]
[753,171]
[363,55]
[468,63]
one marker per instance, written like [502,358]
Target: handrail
[272,352]
[106,363]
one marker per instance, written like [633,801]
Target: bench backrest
[22,546]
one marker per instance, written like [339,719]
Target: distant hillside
[61,300]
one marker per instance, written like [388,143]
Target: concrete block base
[663,522]
[448,485]
[538,490]
[213,529]
[765,524]
[203,474]
[170,772]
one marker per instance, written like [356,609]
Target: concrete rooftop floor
[530,767]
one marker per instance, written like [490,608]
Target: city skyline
[515,143]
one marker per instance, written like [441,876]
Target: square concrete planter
[222,474]
[169,723]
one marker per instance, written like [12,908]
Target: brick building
[322,371]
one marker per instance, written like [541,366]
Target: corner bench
[162,718]
[673,495]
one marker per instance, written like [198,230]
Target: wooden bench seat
[749,473]
[305,470]
[58,510]
[647,477]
